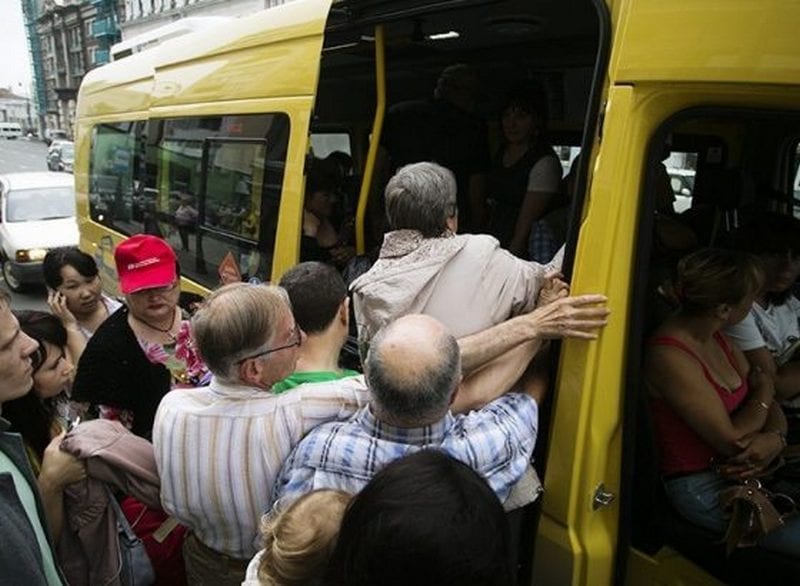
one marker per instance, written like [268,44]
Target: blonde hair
[299,541]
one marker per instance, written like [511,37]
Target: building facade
[14,108]
[66,38]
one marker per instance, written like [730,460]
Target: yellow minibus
[702,94]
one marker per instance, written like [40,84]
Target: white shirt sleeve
[545,175]
[745,334]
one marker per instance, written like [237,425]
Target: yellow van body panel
[269,62]
[725,41]
[577,544]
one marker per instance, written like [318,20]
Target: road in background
[17,156]
[21,155]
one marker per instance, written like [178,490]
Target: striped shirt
[496,441]
[219,450]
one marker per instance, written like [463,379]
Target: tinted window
[210,186]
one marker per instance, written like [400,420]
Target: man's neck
[320,352]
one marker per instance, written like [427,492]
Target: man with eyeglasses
[219,448]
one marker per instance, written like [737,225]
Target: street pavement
[18,156]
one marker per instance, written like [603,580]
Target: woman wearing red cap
[139,353]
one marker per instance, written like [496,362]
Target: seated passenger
[413,372]
[427,520]
[525,182]
[715,418]
[769,334]
[75,295]
[250,340]
[298,542]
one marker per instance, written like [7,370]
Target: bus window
[325,143]
[681,167]
[210,186]
[111,177]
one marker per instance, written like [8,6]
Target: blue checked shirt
[496,441]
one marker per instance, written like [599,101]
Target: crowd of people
[238,448]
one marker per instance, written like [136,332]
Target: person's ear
[250,372]
[723,311]
[452,223]
[344,312]
[456,389]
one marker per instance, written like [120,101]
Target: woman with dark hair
[75,295]
[716,419]
[769,335]
[426,519]
[526,174]
[321,239]
[145,348]
[42,414]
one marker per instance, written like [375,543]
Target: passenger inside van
[716,420]
[327,233]
[445,130]
[769,335]
[525,180]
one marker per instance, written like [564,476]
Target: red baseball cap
[144,262]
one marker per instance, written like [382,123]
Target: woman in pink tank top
[716,422]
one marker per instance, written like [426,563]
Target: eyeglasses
[298,339]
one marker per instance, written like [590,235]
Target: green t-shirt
[298,378]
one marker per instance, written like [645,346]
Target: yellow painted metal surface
[268,62]
[576,544]
[377,126]
[726,41]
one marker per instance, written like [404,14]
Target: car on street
[10,130]
[61,156]
[37,213]
[53,134]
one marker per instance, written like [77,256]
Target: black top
[508,186]
[114,371]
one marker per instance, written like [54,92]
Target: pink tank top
[681,449]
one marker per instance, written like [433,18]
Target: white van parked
[10,130]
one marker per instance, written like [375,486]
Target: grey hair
[234,321]
[418,398]
[421,196]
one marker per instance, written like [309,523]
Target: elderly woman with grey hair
[466,281]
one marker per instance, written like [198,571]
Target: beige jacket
[465,281]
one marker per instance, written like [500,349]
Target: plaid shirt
[496,441]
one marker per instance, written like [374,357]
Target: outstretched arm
[569,317]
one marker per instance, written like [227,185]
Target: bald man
[413,371]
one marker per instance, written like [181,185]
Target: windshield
[46,203]
[68,152]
